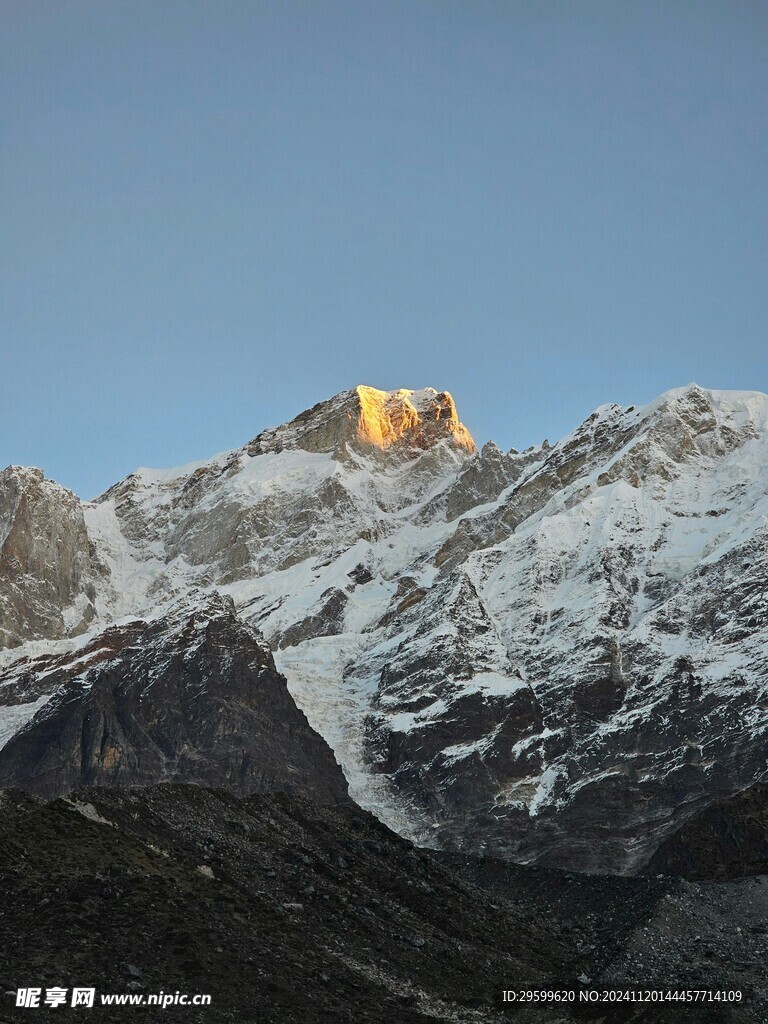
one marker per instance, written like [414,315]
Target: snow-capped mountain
[557,655]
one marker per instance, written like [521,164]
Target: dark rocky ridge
[193,696]
[286,911]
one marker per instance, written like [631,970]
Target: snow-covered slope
[556,655]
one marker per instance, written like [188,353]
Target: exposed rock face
[193,696]
[328,620]
[485,478]
[558,655]
[47,565]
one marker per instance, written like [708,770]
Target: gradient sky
[217,212]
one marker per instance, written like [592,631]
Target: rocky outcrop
[328,620]
[485,477]
[193,696]
[48,566]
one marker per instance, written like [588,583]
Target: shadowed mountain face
[286,911]
[726,840]
[556,656]
[193,696]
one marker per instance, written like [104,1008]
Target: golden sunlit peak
[364,417]
[420,417]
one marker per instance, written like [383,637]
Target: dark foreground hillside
[287,912]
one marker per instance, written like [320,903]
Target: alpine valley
[556,657]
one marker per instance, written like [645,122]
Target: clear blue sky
[218,212]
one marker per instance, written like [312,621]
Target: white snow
[14,717]
[544,790]
[315,673]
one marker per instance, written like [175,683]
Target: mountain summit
[366,418]
[556,655]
